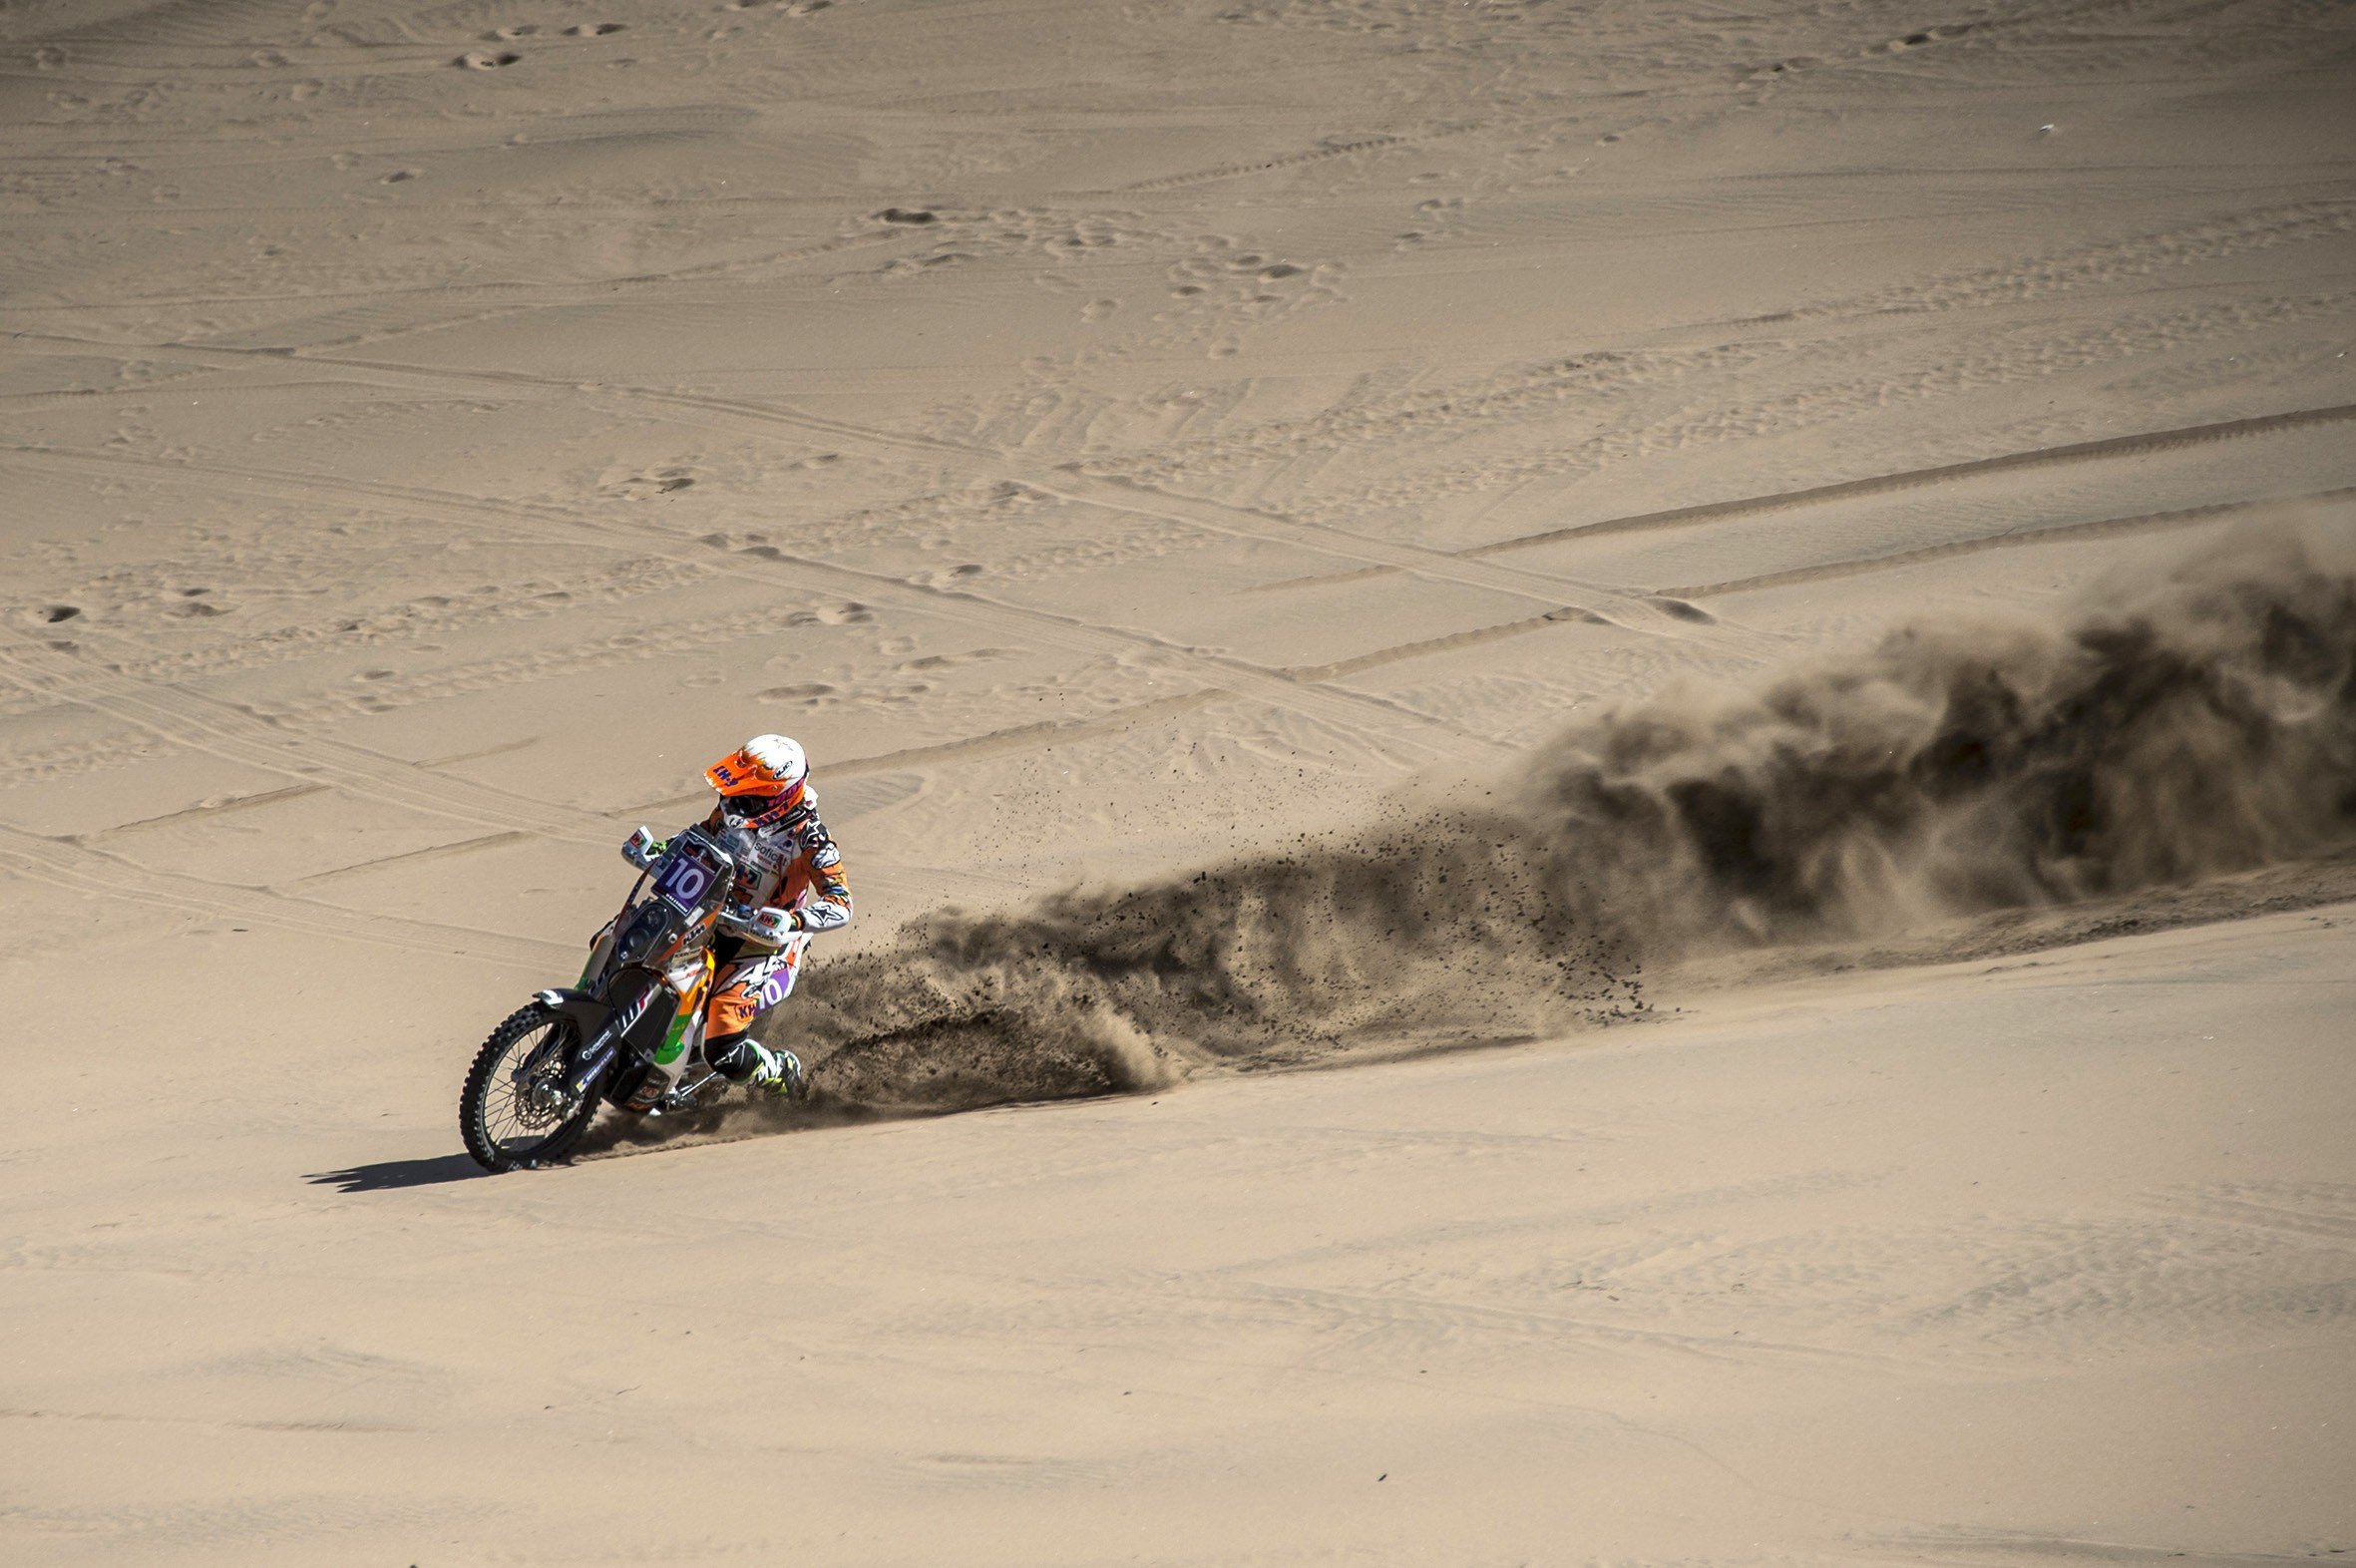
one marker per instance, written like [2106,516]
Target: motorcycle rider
[791,887]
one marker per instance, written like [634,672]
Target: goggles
[753,811]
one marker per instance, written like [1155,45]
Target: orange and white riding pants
[750,983]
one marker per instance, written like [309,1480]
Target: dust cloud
[2196,720]
[2179,725]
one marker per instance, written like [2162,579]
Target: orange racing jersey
[798,867]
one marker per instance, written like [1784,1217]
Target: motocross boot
[779,1071]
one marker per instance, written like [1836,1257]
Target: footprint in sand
[1933,35]
[483,59]
[955,660]
[848,613]
[510,34]
[810,694]
[901,267]
[1683,610]
[593,29]
[663,482]
[52,614]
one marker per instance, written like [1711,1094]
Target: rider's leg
[744,989]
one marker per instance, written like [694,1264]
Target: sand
[1117,439]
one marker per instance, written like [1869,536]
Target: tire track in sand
[192,720]
[1382,726]
[1315,154]
[1566,598]
[198,722]
[79,868]
[2065,533]
[2143,443]
[2140,445]
[1070,482]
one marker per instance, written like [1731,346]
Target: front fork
[600,951]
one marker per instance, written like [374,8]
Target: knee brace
[731,1056]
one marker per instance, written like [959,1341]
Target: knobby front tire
[502,1131]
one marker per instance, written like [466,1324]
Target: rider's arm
[827,906]
[816,895]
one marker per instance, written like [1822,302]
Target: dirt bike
[630,1033]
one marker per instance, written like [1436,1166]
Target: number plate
[683,879]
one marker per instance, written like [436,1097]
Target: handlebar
[768,922]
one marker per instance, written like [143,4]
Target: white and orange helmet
[760,782]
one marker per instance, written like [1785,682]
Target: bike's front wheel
[515,1112]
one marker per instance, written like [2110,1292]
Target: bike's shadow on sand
[388,1174]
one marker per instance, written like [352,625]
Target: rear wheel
[514,1112]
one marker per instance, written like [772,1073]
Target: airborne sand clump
[2184,725]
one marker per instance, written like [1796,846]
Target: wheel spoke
[516,1102]
[510,1115]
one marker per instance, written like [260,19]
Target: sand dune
[1827,524]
